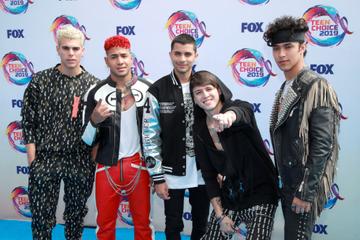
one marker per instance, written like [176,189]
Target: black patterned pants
[259,221]
[76,170]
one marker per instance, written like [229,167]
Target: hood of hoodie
[226,95]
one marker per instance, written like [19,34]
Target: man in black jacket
[113,118]
[303,127]
[169,144]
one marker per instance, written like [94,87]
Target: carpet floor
[21,230]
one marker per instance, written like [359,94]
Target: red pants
[107,200]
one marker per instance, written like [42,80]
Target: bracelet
[93,124]
[220,219]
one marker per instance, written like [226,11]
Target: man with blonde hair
[52,127]
[69,32]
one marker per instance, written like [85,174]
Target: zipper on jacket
[273,133]
[280,182]
[287,115]
[117,108]
[302,184]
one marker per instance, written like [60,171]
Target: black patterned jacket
[47,110]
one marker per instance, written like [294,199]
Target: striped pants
[259,221]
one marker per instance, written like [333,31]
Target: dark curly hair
[289,23]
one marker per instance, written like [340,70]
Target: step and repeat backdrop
[229,39]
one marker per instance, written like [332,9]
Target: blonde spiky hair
[69,32]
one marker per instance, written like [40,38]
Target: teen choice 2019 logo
[15,6]
[20,201]
[326,27]
[124,213]
[138,67]
[186,22]
[250,68]
[65,19]
[126,4]
[268,147]
[342,115]
[15,136]
[17,69]
[334,196]
[255,2]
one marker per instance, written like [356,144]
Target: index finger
[217,116]
[98,103]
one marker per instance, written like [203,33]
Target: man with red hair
[112,121]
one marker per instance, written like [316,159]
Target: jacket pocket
[294,155]
[233,191]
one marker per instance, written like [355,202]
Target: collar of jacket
[112,83]
[281,110]
[56,70]
[174,78]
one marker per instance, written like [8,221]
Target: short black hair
[184,39]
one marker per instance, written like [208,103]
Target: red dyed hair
[116,41]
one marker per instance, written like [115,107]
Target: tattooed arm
[217,206]
[225,222]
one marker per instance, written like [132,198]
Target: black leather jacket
[107,133]
[304,136]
